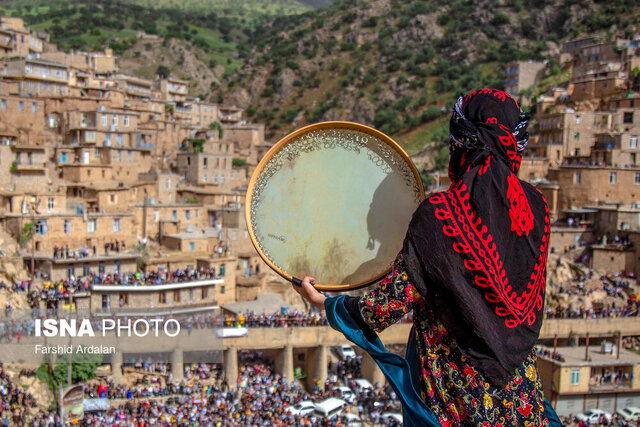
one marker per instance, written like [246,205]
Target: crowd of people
[260,397]
[64,252]
[622,301]
[53,291]
[550,354]
[15,402]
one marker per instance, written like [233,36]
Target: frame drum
[333,201]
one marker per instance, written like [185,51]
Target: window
[114,120]
[633,141]
[221,179]
[129,156]
[204,161]
[576,136]
[156,216]
[204,177]
[91,226]
[203,293]
[176,296]
[174,215]
[612,178]
[575,376]
[21,106]
[222,268]
[116,225]
[162,297]
[34,107]
[167,183]
[215,179]
[107,140]
[119,139]
[51,203]
[577,178]
[67,226]
[119,156]
[187,214]
[577,120]
[41,226]
[123,299]
[627,118]
[222,289]
[234,235]
[3,104]
[192,246]
[188,161]
[636,178]
[103,119]
[126,121]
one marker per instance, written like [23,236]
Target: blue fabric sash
[402,374]
[395,368]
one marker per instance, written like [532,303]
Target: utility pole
[34,207]
[69,356]
[144,215]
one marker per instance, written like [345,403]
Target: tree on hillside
[163,71]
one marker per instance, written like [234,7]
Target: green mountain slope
[394,64]
[388,63]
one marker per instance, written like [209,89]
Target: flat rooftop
[574,356]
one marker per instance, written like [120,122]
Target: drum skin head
[333,201]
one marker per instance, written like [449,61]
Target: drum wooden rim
[287,139]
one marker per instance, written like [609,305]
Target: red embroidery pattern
[484,166]
[509,142]
[473,241]
[519,211]
[501,95]
[516,162]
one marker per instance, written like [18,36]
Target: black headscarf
[478,251]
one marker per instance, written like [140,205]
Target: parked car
[353,420]
[592,416]
[630,413]
[362,385]
[391,418]
[346,394]
[346,352]
[302,408]
[329,408]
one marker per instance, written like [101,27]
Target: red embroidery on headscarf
[466,98]
[519,211]
[515,166]
[484,166]
[473,241]
[509,142]
[492,120]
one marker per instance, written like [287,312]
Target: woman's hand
[310,293]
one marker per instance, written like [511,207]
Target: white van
[362,385]
[330,408]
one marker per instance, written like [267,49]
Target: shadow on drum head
[384,206]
